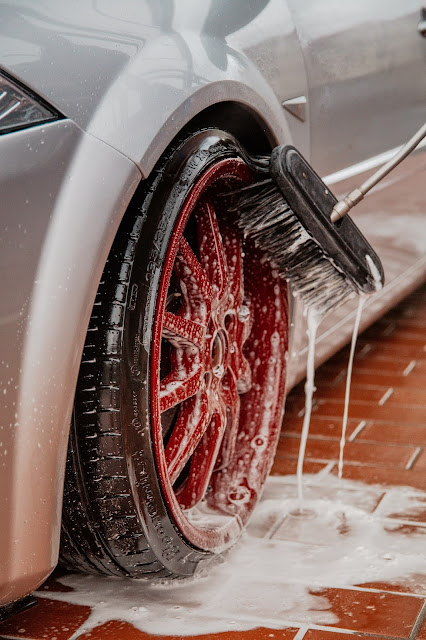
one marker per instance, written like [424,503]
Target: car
[146,347]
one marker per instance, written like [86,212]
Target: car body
[124,81]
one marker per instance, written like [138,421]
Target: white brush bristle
[265,217]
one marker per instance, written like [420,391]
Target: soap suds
[350,534]
[374,272]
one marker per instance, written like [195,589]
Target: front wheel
[181,389]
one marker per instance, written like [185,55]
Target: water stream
[314,319]
[348,381]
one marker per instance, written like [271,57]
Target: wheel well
[239,120]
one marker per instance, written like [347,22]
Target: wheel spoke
[231,401]
[197,292]
[232,249]
[239,327]
[183,382]
[202,463]
[244,375]
[212,256]
[193,420]
[182,332]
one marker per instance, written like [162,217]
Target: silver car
[130,307]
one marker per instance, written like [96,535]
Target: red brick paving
[50,619]
[322,427]
[285,466]
[388,476]
[385,614]
[388,447]
[388,455]
[320,634]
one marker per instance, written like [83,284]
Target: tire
[180,394]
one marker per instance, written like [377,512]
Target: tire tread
[116,545]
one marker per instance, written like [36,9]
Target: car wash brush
[292,216]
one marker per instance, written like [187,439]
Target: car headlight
[19,108]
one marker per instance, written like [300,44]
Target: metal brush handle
[355,196]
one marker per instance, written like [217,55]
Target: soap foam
[274,576]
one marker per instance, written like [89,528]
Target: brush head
[288,216]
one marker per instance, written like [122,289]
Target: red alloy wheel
[218,365]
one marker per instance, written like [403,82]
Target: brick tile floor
[386,446]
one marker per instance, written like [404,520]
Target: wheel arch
[251,131]
[253,115]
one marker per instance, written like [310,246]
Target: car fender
[135,83]
[161,111]
[59,216]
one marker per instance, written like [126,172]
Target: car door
[365,63]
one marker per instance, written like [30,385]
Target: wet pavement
[312,592]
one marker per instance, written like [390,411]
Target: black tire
[116,520]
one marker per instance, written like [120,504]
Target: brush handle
[355,196]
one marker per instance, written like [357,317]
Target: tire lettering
[170,550]
[135,406]
[133,297]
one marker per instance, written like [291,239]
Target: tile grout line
[395,423]
[301,413]
[349,632]
[293,435]
[389,329]
[274,528]
[82,629]
[408,369]
[418,623]
[17,638]
[402,521]
[361,385]
[386,396]
[14,638]
[340,376]
[326,470]
[364,350]
[413,458]
[348,463]
[301,632]
[357,430]
[359,403]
